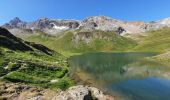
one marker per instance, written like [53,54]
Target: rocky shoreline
[16,91]
[82,92]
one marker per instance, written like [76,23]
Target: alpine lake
[126,75]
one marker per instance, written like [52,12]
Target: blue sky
[29,10]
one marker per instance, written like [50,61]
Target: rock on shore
[15,91]
[82,93]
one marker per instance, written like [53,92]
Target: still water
[130,75]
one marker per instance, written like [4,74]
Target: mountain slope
[84,41]
[11,42]
[31,64]
[155,41]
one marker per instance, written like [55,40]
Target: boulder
[81,92]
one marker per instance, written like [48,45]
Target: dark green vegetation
[30,63]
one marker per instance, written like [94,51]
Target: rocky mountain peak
[16,20]
[15,23]
[99,23]
[95,18]
[43,18]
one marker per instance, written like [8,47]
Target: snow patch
[165,21]
[60,27]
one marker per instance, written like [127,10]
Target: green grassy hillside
[155,41]
[30,63]
[78,42]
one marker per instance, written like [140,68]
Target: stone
[81,92]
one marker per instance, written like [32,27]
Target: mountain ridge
[104,23]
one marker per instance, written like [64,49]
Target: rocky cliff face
[15,23]
[91,23]
[42,24]
[108,24]
[53,26]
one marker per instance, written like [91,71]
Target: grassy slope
[65,43]
[31,63]
[155,41]
[151,41]
[34,68]
[164,58]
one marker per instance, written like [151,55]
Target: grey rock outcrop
[46,25]
[15,23]
[108,24]
[54,26]
[82,93]
[158,24]
[16,91]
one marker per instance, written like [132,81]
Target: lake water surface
[130,75]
